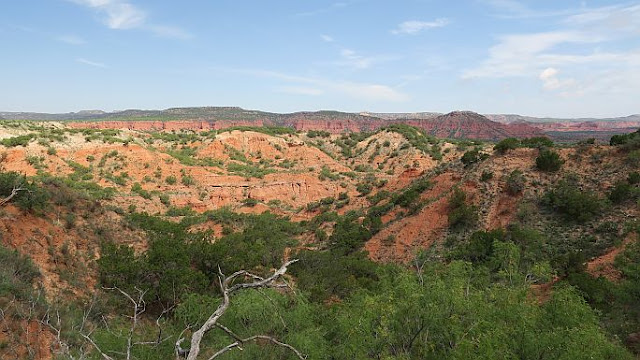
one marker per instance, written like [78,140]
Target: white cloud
[355,90]
[550,80]
[618,19]
[91,63]
[519,55]
[326,38]
[413,27]
[369,92]
[119,14]
[123,15]
[71,39]
[300,90]
[512,9]
[589,55]
[352,59]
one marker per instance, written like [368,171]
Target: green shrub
[17,274]
[180,211]
[461,215]
[577,205]
[33,197]
[621,192]
[364,188]
[348,234]
[165,200]
[537,142]
[321,235]
[326,173]
[137,188]
[633,178]
[187,180]
[249,202]
[171,180]
[314,205]
[473,156]
[318,133]
[479,248]
[633,158]
[325,275]
[22,140]
[549,161]
[629,141]
[503,146]
[248,170]
[486,176]
[515,182]
[417,138]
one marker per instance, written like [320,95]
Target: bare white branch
[14,192]
[104,356]
[227,289]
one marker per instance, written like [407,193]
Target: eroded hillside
[107,208]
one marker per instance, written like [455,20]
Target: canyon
[455,125]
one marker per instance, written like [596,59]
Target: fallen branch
[227,289]
[14,192]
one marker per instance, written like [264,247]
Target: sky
[539,58]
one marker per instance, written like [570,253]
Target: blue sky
[540,58]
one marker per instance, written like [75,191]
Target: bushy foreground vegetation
[476,304]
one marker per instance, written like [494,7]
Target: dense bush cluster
[22,140]
[179,262]
[32,197]
[318,133]
[549,161]
[417,138]
[515,182]
[505,145]
[473,156]
[17,274]
[461,214]
[575,204]
[627,141]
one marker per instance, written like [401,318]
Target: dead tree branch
[139,307]
[14,192]
[104,356]
[228,289]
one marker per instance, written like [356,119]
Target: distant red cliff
[457,125]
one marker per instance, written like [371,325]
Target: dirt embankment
[401,240]
[604,265]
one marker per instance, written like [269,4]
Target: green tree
[549,161]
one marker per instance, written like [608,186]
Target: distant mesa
[456,124]
[471,125]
